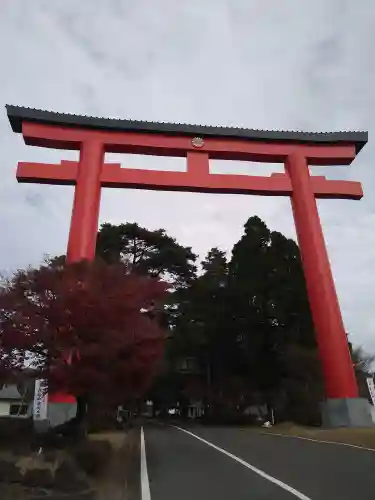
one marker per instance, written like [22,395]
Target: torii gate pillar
[343,406]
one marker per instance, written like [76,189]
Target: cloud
[277,65]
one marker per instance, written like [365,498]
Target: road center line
[145,484]
[279,483]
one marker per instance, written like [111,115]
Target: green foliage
[247,323]
[363,362]
[152,253]
[240,332]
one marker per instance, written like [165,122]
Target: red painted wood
[50,136]
[336,361]
[61,397]
[196,179]
[48,173]
[198,165]
[84,223]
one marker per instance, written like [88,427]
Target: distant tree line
[240,331]
[146,319]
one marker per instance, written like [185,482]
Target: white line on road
[286,487]
[315,440]
[145,485]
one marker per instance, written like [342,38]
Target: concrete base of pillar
[41,426]
[60,413]
[346,412]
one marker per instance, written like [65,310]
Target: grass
[115,438]
[110,460]
[364,437]
[121,478]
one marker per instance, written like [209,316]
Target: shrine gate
[93,137]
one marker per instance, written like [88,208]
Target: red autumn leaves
[83,327]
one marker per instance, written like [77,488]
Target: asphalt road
[180,466]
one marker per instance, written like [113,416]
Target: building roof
[18,114]
[10,391]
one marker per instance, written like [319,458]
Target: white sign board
[40,400]
[371,388]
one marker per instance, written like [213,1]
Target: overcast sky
[270,64]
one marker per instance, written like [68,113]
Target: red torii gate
[95,136]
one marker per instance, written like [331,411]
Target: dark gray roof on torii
[18,114]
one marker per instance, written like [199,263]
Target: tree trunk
[77,426]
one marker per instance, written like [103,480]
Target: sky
[291,65]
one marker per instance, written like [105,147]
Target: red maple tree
[84,327]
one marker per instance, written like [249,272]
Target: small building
[195,409]
[15,401]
